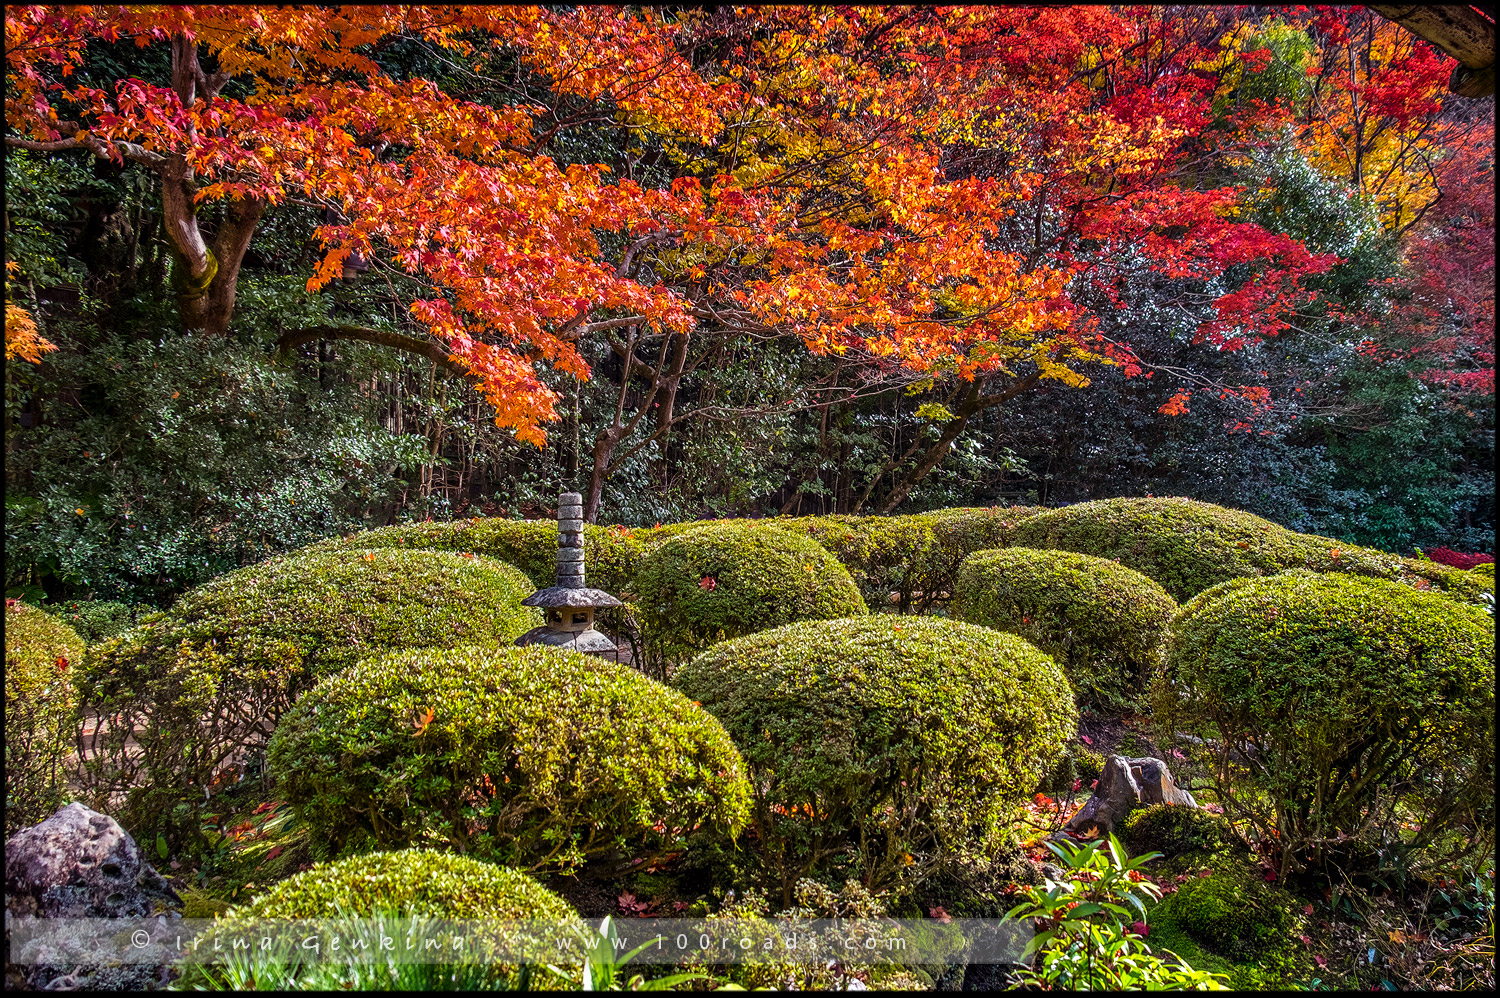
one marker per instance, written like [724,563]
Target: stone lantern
[569,604]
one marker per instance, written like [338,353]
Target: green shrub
[95,620]
[533,755]
[610,553]
[1171,829]
[725,580]
[40,657]
[1364,704]
[1102,622]
[884,554]
[958,533]
[1484,570]
[206,682]
[1188,546]
[1077,763]
[887,744]
[410,881]
[1234,915]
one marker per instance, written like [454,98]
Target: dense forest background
[142,458]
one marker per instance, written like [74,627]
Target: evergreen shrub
[206,682]
[883,746]
[535,756]
[41,655]
[1366,705]
[1484,570]
[1171,829]
[1103,622]
[95,620]
[1188,546]
[725,580]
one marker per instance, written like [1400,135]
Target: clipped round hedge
[1353,695]
[207,681]
[610,553]
[535,756]
[409,881]
[41,655]
[725,580]
[1188,546]
[1103,622]
[911,735]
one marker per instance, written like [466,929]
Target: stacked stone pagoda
[569,603]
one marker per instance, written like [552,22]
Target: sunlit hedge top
[411,882]
[1188,546]
[208,678]
[723,580]
[535,755]
[1103,622]
[610,553]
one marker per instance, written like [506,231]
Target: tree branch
[380,337]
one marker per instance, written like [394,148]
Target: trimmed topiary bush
[409,881]
[724,580]
[1188,546]
[535,756]
[884,554]
[883,746]
[205,683]
[41,655]
[1171,829]
[1103,622]
[1233,915]
[1364,706]
[610,553]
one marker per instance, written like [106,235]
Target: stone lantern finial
[569,603]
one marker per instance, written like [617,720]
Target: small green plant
[603,967]
[1082,937]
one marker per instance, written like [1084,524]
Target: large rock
[80,864]
[1124,785]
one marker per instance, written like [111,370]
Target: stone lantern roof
[569,603]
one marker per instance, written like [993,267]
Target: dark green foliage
[1102,622]
[207,681]
[1188,546]
[1077,763]
[724,580]
[409,881]
[1170,829]
[536,756]
[41,655]
[883,746]
[95,620]
[1233,915]
[1363,703]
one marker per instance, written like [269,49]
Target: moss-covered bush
[724,580]
[535,756]
[883,746]
[1188,546]
[1103,622]
[206,682]
[41,654]
[1365,705]
[610,553]
[1233,915]
[1170,829]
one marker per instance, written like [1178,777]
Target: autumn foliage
[928,188]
